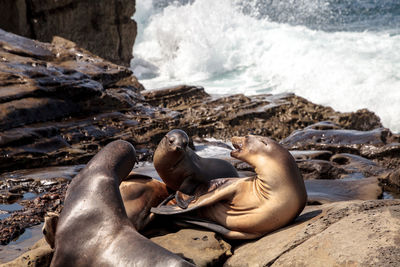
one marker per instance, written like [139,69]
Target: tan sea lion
[246,208]
[93,228]
[182,169]
[139,194]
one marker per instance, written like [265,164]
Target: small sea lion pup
[182,170]
[93,228]
[246,208]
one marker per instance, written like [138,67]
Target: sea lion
[49,227]
[139,194]
[246,208]
[93,228]
[182,169]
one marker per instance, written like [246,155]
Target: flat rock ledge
[203,248]
[351,233]
[355,233]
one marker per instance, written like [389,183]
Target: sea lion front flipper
[183,200]
[134,175]
[217,190]
[184,194]
[189,185]
[165,201]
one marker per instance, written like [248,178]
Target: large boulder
[102,27]
[357,233]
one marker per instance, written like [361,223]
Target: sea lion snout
[177,139]
[249,146]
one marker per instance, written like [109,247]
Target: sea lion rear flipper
[218,228]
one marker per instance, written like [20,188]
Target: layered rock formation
[102,27]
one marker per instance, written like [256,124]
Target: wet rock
[319,169]
[30,175]
[320,237]
[391,181]
[175,97]
[83,22]
[387,155]
[335,140]
[356,166]
[68,83]
[271,115]
[327,191]
[32,213]
[340,166]
[379,144]
[51,83]
[311,154]
[8,197]
[200,247]
[39,255]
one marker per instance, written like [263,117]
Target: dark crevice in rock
[59,9]
[118,8]
[298,243]
[29,18]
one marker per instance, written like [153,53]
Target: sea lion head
[176,140]
[253,148]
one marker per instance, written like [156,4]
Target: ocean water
[341,53]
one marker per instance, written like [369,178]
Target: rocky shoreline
[60,104]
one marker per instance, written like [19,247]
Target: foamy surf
[231,47]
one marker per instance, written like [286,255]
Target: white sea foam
[214,44]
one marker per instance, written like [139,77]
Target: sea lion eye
[171,140]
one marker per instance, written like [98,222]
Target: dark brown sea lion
[182,169]
[246,208]
[93,228]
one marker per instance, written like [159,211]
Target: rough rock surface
[358,233]
[39,255]
[378,144]
[200,247]
[326,191]
[102,27]
[271,115]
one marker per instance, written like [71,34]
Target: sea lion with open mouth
[182,170]
[247,208]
